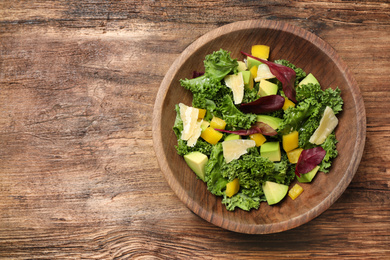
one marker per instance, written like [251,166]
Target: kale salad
[255,126]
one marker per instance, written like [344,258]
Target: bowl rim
[332,196]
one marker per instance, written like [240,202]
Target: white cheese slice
[196,134]
[191,126]
[233,149]
[263,72]
[327,124]
[236,83]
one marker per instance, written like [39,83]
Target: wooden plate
[303,49]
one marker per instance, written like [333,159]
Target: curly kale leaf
[249,170]
[306,131]
[295,117]
[250,166]
[332,98]
[234,117]
[284,172]
[331,152]
[242,201]
[306,116]
[201,146]
[219,64]
[216,183]
[206,91]
[217,176]
[328,97]
[252,171]
[250,95]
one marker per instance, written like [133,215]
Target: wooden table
[78,173]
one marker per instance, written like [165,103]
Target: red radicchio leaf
[250,131]
[259,127]
[196,74]
[284,74]
[264,104]
[309,159]
[266,129]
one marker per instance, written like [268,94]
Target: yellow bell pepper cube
[217,123]
[253,71]
[202,113]
[293,155]
[232,187]
[290,141]
[211,135]
[260,51]
[295,191]
[258,138]
[287,103]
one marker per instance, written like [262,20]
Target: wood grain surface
[78,173]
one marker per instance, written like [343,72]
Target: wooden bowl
[303,49]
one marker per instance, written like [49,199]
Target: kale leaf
[306,116]
[252,171]
[331,152]
[328,97]
[233,116]
[205,90]
[216,183]
[242,201]
[219,64]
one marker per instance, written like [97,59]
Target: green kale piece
[295,117]
[306,131]
[240,200]
[284,172]
[328,97]
[233,116]
[332,98]
[219,64]
[250,163]
[252,170]
[249,170]
[306,116]
[216,183]
[201,146]
[250,95]
[331,152]
[206,91]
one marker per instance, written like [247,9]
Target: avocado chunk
[308,79]
[248,79]
[272,121]
[271,150]
[274,192]
[267,88]
[232,137]
[308,177]
[252,62]
[197,161]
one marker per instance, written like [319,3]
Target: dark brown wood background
[78,173]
